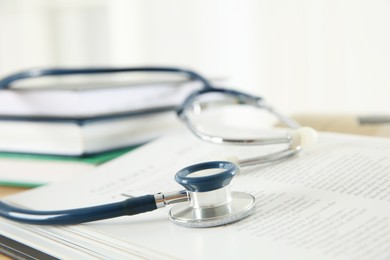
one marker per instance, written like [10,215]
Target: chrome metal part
[168,198]
[193,215]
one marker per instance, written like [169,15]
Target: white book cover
[75,139]
[91,102]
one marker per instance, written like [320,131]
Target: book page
[330,202]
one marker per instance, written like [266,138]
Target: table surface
[5,191]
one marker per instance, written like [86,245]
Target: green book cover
[95,159]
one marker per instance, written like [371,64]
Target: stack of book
[51,133]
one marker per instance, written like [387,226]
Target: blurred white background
[305,56]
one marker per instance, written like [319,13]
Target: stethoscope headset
[207,200]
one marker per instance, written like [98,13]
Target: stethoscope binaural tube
[296,138]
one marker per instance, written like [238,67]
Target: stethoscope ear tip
[304,137]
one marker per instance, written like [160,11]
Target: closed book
[77,137]
[32,170]
[79,119]
[82,98]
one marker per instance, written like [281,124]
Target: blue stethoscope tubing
[130,206]
[34,73]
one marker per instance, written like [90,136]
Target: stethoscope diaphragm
[211,203]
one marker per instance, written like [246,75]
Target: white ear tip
[304,137]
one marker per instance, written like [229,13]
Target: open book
[330,202]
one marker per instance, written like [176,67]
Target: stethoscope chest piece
[211,203]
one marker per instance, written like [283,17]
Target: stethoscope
[207,200]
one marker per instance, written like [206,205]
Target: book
[92,98]
[81,119]
[329,202]
[83,137]
[33,170]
